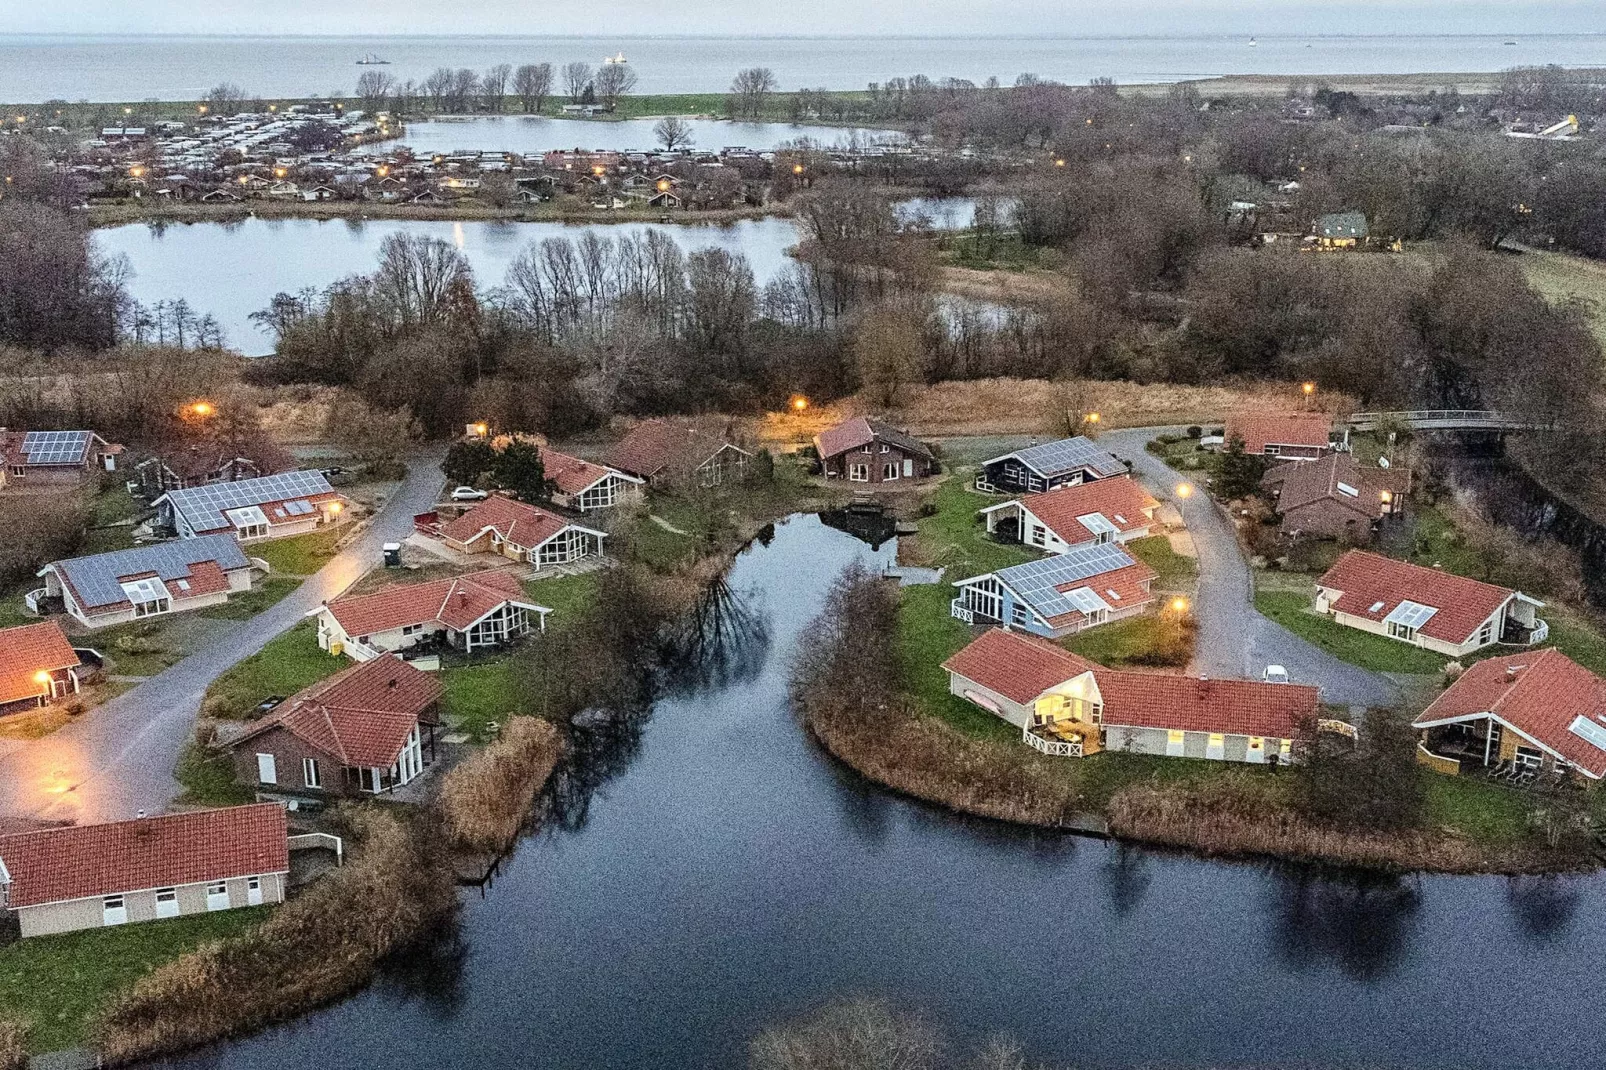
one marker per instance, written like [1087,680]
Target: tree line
[446,90]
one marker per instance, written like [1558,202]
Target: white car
[468,494]
[1275,674]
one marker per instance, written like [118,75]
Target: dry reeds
[13,1045]
[312,950]
[484,800]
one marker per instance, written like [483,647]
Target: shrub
[484,800]
[1195,431]
[13,1045]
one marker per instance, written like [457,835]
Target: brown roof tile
[1121,500]
[362,715]
[1368,580]
[26,651]
[456,602]
[520,524]
[1260,429]
[859,431]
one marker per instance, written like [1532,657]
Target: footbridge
[1446,420]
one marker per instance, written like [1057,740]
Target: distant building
[1341,230]
[1336,497]
[44,459]
[1294,436]
[251,510]
[671,453]
[1048,465]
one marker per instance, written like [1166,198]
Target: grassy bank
[284,666]
[13,1045]
[57,984]
[485,800]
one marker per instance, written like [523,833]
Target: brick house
[1047,465]
[670,453]
[367,729]
[37,666]
[1061,595]
[867,450]
[1293,436]
[523,533]
[1336,497]
[1068,706]
[44,459]
[147,581]
[92,876]
[1116,510]
[482,610]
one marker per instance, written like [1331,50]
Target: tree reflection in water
[1360,921]
[722,641]
[1126,878]
[429,974]
[1543,906]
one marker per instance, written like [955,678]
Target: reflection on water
[708,872]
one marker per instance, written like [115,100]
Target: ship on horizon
[372,60]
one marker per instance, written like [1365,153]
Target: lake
[722,874]
[529,134]
[127,68]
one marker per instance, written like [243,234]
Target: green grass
[1134,641]
[955,536]
[1437,544]
[114,504]
[286,665]
[299,555]
[269,592]
[1560,277]
[1176,572]
[565,596]
[208,778]
[928,636]
[1184,454]
[1291,609]
[1479,810]
[139,648]
[1005,252]
[481,692]
[58,983]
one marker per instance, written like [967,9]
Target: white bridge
[1446,420]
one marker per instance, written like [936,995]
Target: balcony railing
[1054,748]
[960,611]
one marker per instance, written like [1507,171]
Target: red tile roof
[1259,429]
[1121,500]
[1021,667]
[861,431]
[1305,484]
[570,474]
[1368,579]
[361,715]
[1130,587]
[27,650]
[655,447]
[520,524]
[456,602]
[1540,693]
[83,861]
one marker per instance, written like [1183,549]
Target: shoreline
[116,215]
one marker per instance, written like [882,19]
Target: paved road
[118,759]
[1234,639]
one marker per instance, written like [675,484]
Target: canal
[713,873]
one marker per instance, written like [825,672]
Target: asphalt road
[118,759]
[1234,639]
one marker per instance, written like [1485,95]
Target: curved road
[118,759]
[1234,639]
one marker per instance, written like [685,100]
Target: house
[1049,465]
[520,532]
[1537,711]
[53,458]
[37,666]
[268,507]
[584,486]
[220,196]
[368,729]
[1068,706]
[667,452]
[148,581]
[1425,607]
[192,467]
[1106,510]
[1061,595]
[1340,230]
[1336,497]
[667,199]
[866,450]
[91,876]
[1294,436]
[474,612]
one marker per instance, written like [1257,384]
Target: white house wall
[49,918]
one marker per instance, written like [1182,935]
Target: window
[267,769]
[1018,615]
[309,773]
[889,470]
[908,467]
[217,896]
[1271,451]
[1216,746]
[885,448]
[412,629]
[1175,740]
[1529,757]
[113,911]
[1401,631]
[859,473]
[1257,751]
[167,902]
[1039,535]
[1486,633]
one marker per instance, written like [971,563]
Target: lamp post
[1309,390]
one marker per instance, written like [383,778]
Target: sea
[38,68]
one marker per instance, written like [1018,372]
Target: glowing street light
[1092,418]
[42,678]
[1184,490]
[1385,496]
[202,409]
[1179,605]
[334,508]
[663,185]
[1308,388]
[1060,162]
[797,169]
[799,403]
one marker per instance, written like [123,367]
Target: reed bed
[483,802]
[314,949]
[13,1045]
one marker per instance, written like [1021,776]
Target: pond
[722,875]
[527,134]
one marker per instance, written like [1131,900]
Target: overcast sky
[912,17]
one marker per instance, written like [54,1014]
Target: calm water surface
[529,134]
[728,876]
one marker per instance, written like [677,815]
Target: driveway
[1234,639]
[118,759]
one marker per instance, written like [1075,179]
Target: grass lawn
[208,779]
[247,604]
[482,692]
[1184,455]
[1375,652]
[57,983]
[565,596]
[299,555]
[928,636]
[1560,277]
[650,542]
[1136,641]
[283,667]
[1485,812]
[955,536]
[140,648]
[1176,572]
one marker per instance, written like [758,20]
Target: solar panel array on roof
[1052,459]
[1037,582]
[1409,614]
[55,447]
[205,507]
[97,578]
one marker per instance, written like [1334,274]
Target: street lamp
[1091,418]
[799,403]
[797,169]
[1310,392]
[42,678]
[1179,605]
[1184,490]
[202,409]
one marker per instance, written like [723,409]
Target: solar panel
[206,507]
[299,507]
[55,447]
[1052,459]
[1591,732]
[1409,614]
[1037,582]
[97,579]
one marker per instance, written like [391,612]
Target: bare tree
[576,79]
[438,87]
[672,132]
[533,82]
[465,85]
[374,89]
[749,89]
[494,86]
[225,98]
[614,80]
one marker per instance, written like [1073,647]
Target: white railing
[984,487]
[308,841]
[1054,748]
[1540,632]
[960,611]
[33,599]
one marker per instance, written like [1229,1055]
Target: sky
[814,17]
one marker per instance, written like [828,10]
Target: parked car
[468,494]
[1275,674]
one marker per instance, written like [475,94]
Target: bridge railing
[1444,419]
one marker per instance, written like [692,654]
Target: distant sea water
[35,68]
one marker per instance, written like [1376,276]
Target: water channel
[720,874]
